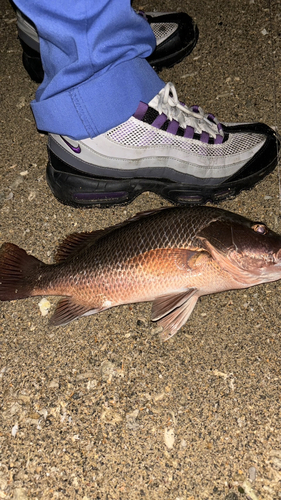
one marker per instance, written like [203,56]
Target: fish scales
[110,253]
[113,266]
[169,256]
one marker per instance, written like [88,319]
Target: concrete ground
[100,409]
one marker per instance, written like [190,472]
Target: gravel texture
[100,409]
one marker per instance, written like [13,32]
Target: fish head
[249,250]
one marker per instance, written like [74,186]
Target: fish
[169,256]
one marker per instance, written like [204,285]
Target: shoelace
[167,102]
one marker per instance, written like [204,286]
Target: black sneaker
[179,153]
[176,35]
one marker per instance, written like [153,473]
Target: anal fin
[68,310]
[172,311]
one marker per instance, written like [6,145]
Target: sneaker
[179,153]
[176,35]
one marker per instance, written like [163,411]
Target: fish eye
[260,228]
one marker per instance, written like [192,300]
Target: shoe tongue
[154,102]
[192,117]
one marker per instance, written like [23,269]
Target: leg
[93,55]
[116,130]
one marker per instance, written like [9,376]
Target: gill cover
[243,248]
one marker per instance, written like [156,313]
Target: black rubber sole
[72,188]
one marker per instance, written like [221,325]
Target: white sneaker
[180,153]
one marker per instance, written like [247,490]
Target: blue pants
[93,54]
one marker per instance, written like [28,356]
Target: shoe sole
[85,191]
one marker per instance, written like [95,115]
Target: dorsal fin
[76,241]
[145,213]
[73,243]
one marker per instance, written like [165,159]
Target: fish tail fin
[18,272]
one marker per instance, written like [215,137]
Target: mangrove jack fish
[170,256]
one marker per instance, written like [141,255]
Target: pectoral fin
[172,311]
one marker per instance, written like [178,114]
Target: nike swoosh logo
[75,149]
